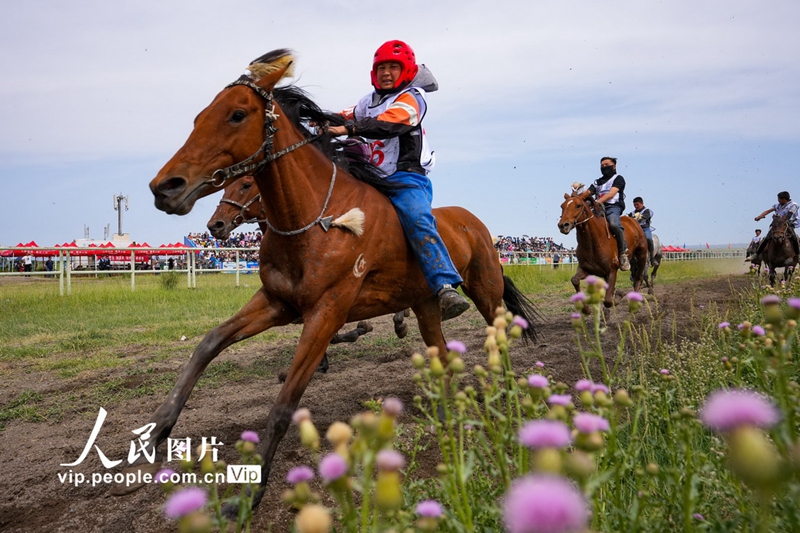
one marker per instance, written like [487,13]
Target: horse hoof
[135,472]
[364,327]
[401,330]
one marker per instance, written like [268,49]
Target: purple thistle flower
[393,406]
[249,436]
[583,384]
[538,381]
[163,475]
[299,474]
[589,423]
[560,399]
[544,504]
[770,299]
[545,434]
[578,297]
[430,509]
[664,372]
[576,316]
[390,460]
[635,296]
[519,321]
[457,346]
[725,410]
[332,467]
[599,387]
[698,516]
[740,327]
[185,502]
[539,364]
[592,280]
[758,330]
[794,302]
[723,325]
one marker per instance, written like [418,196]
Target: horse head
[241,204]
[575,210]
[780,227]
[231,130]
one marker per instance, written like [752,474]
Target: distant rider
[784,207]
[753,246]
[643,216]
[609,190]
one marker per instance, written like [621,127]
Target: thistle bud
[418,361]
[313,518]
[752,457]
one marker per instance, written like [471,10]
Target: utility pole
[118,199]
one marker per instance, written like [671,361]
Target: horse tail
[520,305]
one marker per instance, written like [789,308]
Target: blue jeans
[649,236]
[413,206]
[613,212]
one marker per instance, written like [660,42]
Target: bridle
[248,166]
[221,175]
[583,211]
[239,219]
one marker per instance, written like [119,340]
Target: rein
[220,176]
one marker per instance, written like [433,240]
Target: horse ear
[566,196]
[270,68]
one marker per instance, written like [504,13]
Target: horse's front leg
[580,274]
[318,329]
[612,282]
[256,316]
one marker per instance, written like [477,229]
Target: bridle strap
[220,176]
[323,221]
[239,219]
[248,166]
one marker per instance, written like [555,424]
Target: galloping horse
[241,204]
[316,264]
[655,261]
[597,247]
[779,252]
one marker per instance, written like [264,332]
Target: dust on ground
[32,499]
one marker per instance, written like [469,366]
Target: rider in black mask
[609,190]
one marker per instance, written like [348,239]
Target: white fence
[77,261]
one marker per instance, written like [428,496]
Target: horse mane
[302,111]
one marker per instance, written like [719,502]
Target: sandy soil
[32,499]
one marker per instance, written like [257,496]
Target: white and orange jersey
[388,142]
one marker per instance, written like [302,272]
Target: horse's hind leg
[400,326]
[256,316]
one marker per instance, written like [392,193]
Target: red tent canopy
[176,248]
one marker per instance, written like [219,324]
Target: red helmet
[399,52]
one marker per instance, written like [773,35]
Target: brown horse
[597,247]
[779,251]
[315,263]
[241,204]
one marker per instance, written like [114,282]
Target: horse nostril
[172,186]
[216,225]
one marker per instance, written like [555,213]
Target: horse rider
[390,118]
[753,246]
[784,208]
[643,215]
[609,190]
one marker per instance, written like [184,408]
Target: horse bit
[220,176]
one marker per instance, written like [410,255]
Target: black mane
[301,110]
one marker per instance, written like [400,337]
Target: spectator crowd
[211,257]
[528,244]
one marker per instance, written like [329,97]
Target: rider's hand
[337,130]
[758,218]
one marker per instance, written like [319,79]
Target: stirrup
[451,303]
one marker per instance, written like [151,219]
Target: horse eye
[238,116]
[247,185]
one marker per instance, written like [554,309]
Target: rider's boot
[624,263]
[451,302]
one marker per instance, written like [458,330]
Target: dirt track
[32,499]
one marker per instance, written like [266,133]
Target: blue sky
[700,101]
